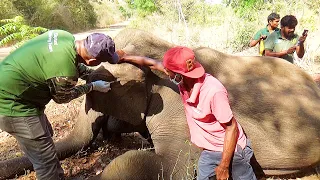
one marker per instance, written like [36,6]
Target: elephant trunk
[87,126]
[134,165]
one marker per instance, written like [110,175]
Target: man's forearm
[144,61]
[300,50]
[275,54]
[65,96]
[84,71]
[254,42]
[230,142]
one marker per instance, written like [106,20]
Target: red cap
[182,60]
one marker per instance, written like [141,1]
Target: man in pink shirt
[211,122]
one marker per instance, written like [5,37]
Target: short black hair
[273,16]
[289,21]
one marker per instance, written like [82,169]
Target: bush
[143,7]
[8,10]
[71,15]
[15,31]
[109,13]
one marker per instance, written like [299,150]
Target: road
[112,31]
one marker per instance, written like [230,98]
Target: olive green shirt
[276,43]
[38,71]
[263,31]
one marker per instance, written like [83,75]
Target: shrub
[15,31]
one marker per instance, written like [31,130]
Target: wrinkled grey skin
[276,103]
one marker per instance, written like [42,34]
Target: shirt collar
[195,91]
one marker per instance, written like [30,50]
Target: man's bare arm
[230,141]
[281,53]
[143,61]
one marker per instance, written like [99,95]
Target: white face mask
[177,79]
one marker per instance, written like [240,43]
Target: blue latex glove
[101,86]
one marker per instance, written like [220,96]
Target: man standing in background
[285,42]
[261,35]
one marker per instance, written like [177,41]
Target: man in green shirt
[285,42]
[47,67]
[273,22]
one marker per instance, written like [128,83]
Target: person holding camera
[285,42]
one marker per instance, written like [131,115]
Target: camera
[305,32]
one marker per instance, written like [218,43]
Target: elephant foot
[146,135]
[113,137]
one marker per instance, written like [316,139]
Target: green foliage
[243,33]
[27,7]
[7,9]
[109,12]
[244,8]
[71,15]
[143,7]
[125,12]
[81,12]
[15,31]
[206,14]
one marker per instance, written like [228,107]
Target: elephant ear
[135,165]
[127,99]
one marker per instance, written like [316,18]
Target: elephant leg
[134,165]
[114,127]
[109,131]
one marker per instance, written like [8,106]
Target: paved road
[112,31]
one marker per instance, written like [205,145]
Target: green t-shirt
[276,43]
[263,31]
[24,73]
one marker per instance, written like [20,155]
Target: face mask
[177,79]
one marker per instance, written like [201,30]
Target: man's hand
[121,54]
[263,37]
[222,173]
[102,86]
[291,50]
[302,39]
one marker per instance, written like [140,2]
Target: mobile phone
[305,32]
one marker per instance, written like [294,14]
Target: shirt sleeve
[84,71]
[269,42]
[257,35]
[64,89]
[220,107]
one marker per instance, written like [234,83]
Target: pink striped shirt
[206,110]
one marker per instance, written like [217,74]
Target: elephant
[276,103]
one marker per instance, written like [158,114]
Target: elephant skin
[276,103]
